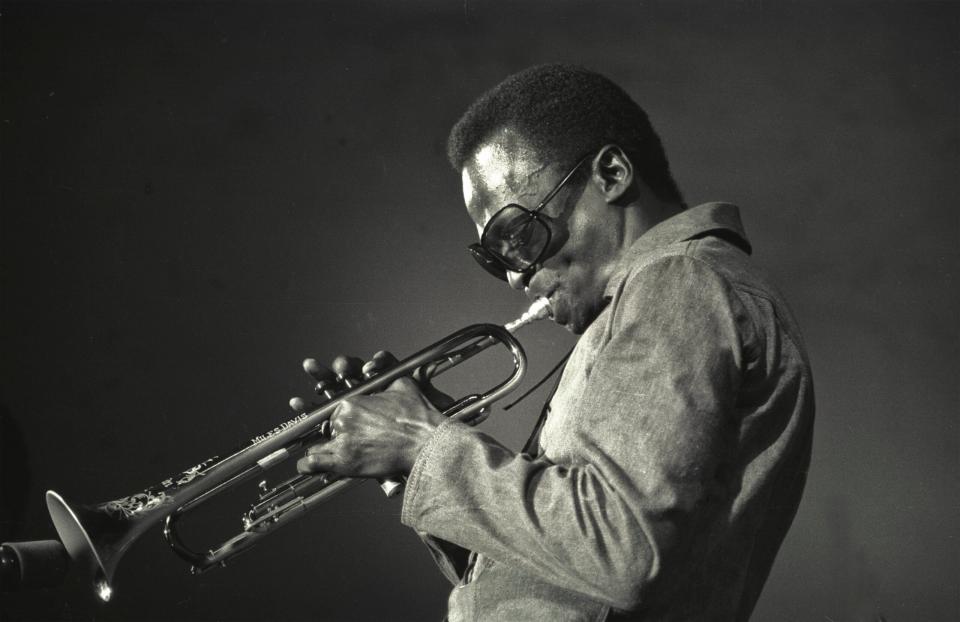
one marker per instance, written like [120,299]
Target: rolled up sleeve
[627,501]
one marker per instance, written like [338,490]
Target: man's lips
[550,306]
[553,304]
[532,295]
[537,292]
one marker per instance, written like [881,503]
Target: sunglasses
[516,239]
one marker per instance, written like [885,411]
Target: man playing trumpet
[671,457]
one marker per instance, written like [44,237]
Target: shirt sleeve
[655,429]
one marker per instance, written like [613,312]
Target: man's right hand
[375,435]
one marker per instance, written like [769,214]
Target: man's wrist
[419,439]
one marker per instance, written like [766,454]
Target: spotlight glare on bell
[104,591]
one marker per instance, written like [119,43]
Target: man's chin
[563,317]
[576,320]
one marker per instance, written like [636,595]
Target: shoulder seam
[685,252]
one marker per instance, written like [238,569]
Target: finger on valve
[379,363]
[349,369]
[326,386]
[317,371]
[300,405]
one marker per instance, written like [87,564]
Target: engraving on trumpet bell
[129,507]
[190,474]
[193,473]
[156,496]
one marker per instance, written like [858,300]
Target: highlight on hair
[563,111]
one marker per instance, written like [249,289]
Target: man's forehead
[501,168]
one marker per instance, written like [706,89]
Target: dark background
[196,196]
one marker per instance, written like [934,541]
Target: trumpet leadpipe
[539,310]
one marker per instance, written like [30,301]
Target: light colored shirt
[671,462]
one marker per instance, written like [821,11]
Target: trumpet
[99,534]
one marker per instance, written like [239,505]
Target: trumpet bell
[94,536]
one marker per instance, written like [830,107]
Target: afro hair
[564,111]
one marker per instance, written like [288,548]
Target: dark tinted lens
[488,262]
[517,236]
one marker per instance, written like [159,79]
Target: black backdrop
[195,196]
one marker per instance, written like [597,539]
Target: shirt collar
[718,219]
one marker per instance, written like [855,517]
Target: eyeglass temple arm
[562,183]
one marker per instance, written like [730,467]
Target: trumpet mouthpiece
[539,310]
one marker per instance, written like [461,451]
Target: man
[673,453]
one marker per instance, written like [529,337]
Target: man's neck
[645,213]
[641,215]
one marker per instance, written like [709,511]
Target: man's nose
[517,280]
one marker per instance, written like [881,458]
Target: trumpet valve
[326,388]
[348,382]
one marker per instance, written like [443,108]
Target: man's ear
[613,174]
